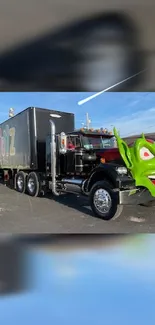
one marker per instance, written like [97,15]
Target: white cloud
[141,121]
[134,103]
[67,271]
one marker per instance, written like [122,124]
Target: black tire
[33,184]
[114,209]
[20,182]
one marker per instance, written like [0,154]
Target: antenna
[88,121]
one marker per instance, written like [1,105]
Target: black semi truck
[40,150]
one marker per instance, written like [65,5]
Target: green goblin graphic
[140,161]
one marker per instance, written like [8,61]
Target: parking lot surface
[68,213]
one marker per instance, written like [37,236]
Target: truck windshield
[98,142]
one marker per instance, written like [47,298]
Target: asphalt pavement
[66,214]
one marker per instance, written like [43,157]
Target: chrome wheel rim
[31,185]
[20,182]
[102,201]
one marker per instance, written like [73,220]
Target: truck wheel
[104,202]
[20,182]
[33,184]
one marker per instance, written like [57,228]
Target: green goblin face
[140,161]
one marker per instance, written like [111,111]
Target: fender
[103,171]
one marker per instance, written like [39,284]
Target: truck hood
[111,154]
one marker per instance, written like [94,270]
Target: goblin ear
[123,149]
[116,133]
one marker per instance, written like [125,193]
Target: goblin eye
[145,154]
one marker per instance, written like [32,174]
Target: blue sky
[99,286]
[130,112]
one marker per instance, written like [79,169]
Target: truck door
[73,141]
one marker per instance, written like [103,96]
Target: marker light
[101,131]
[55,115]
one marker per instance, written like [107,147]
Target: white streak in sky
[83,101]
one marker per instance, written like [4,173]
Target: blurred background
[77,279]
[77,46]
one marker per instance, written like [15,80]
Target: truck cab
[88,160]
[91,139]
[83,151]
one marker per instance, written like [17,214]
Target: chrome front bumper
[134,197]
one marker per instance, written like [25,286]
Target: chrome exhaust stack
[53,158]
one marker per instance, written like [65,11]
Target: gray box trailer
[23,137]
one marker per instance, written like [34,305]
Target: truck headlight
[121,170]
